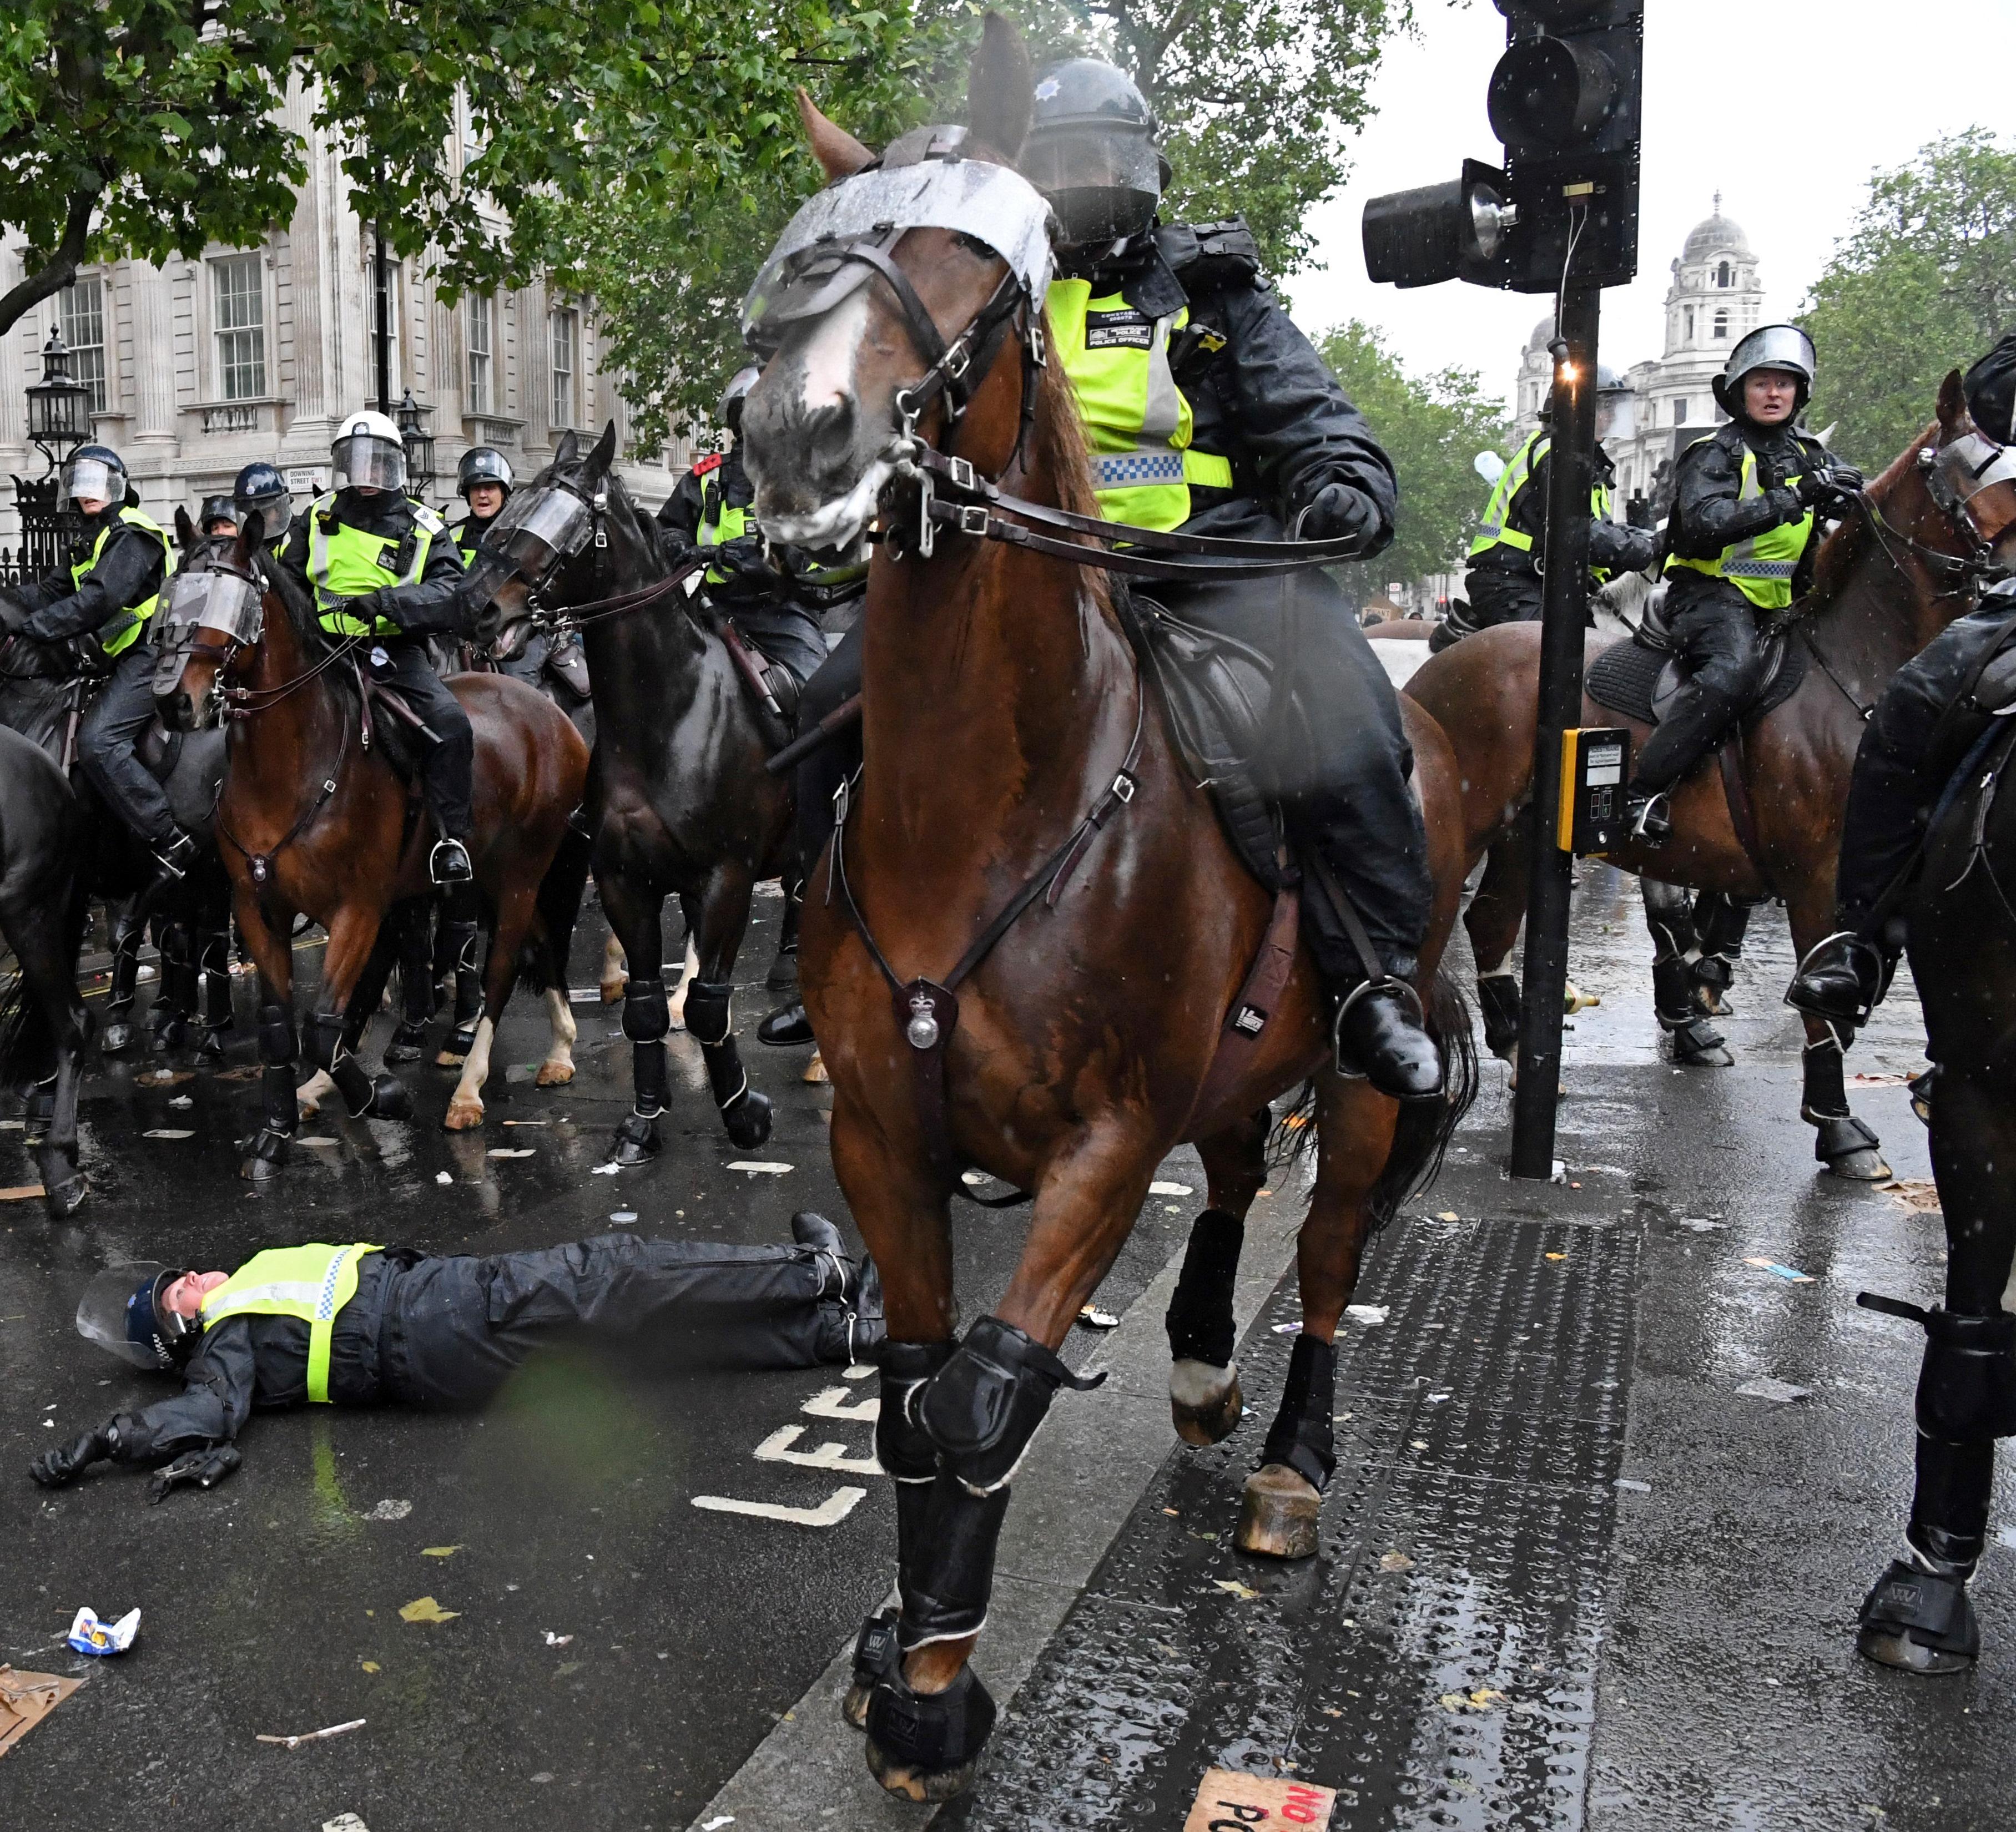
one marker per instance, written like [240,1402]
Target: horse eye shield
[212,599]
[537,529]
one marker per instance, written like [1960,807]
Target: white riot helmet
[96,473]
[1784,347]
[369,454]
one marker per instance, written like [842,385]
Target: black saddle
[1217,692]
[1639,677]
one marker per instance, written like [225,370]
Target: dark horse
[680,803]
[1898,569]
[44,1027]
[315,819]
[1001,696]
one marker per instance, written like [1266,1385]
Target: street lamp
[418,442]
[58,404]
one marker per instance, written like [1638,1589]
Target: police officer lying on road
[361,1325]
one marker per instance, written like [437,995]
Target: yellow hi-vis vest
[1137,421]
[312,1282]
[1496,530]
[124,626]
[345,562]
[1761,567]
[720,520]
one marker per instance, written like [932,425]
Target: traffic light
[1565,99]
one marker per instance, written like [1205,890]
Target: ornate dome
[1543,334]
[1716,234]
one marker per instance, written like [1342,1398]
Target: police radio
[1595,765]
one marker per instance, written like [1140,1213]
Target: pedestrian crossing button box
[1596,764]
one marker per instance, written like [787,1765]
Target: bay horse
[314,820]
[1001,697]
[679,803]
[1898,569]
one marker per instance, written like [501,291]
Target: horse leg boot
[646,1018]
[213,973]
[462,946]
[63,1185]
[1492,921]
[1204,1399]
[904,1450]
[280,1112]
[783,974]
[980,1410]
[1675,948]
[1845,1144]
[417,999]
[382,1098]
[745,1112]
[175,1003]
[1282,1502]
[127,933]
[1721,921]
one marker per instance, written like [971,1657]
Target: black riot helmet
[483,464]
[98,473]
[1091,151]
[215,509]
[262,486]
[122,1312]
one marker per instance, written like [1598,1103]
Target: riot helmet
[735,394]
[96,472]
[1781,347]
[262,486]
[1614,414]
[215,509]
[1091,151]
[368,454]
[483,464]
[122,1311]
[1990,386]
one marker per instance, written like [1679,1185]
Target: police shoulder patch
[711,462]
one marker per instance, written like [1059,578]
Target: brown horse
[1001,696]
[314,820]
[1897,571]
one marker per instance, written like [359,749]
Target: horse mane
[1059,439]
[1841,550]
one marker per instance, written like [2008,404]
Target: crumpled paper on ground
[88,1635]
[28,1698]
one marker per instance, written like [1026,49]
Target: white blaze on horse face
[827,376]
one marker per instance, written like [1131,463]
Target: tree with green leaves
[1432,428]
[1924,282]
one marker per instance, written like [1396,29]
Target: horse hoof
[612,991]
[171,1036]
[925,1787]
[464,1114]
[390,1100]
[64,1197]
[118,1036]
[1847,1147]
[1896,1648]
[637,1140]
[268,1154]
[1278,1514]
[553,1074]
[748,1119]
[1205,1403]
[815,1075]
[783,974]
[1864,1165]
[408,1044]
[854,1705]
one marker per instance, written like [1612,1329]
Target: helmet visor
[1103,183]
[537,529]
[276,511]
[214,599]
[117,1312]
[93,478]
[366,462]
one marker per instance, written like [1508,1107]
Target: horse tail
[1425,1127]
[543,957]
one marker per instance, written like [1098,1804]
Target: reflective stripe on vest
[127,623]
[345,562]
[1496,530]
[312,1282]
[1137,422]
[720,521]
[1761,567]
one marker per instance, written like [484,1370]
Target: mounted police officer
[1914,741]
[381,565]
[217,515]
[1741,542]
[709,509]
[261,489]
[99,606]
[484,481]
[1504,585]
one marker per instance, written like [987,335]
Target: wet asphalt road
[1496,1633]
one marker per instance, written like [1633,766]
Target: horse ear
[251,536]
[839,153]
[185,529]
[1953,404]
[999,89]
[604,454]
[567,451]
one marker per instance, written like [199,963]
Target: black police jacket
[129,572]
[433,604]
[1259,393]
[1709,517]
[1613,547]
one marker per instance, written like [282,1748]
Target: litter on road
[311,1736]
[1229,1797]
[28,1698]
[88,1635]
[1776,1270]
[390,1511]
[1780,1392]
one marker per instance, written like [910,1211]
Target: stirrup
[1852,946]
[1383,983]
[1652,821]
[443,862]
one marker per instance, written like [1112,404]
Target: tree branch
[58,270]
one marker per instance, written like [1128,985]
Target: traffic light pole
[1571,478]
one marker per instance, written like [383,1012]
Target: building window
[566,325]
[238,319]
[481,314]
[1680,412]
[1688,314]
[81,316]
[1722,275]
[1722,324]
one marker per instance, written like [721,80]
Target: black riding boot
[1843,979]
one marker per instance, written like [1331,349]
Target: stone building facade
[201,366]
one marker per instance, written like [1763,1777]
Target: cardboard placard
[28,1698]
[1229,1801]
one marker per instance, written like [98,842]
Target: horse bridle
[595,506]
[1955,502]
[223,700]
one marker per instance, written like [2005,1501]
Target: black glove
[206,1468]
[1338,512]
[14,614]
[85,653]
[67,1462]
[1825,485]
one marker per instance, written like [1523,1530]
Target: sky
[1860,94]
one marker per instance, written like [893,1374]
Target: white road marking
[753,1165]
[830,1513]
[831,1403]
[775,1448]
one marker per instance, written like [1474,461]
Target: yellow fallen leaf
[1485,1697]
[1395,1561]
[439,1551]
[1245,1592]
[1557,1256]
[1448,1215]
[424,1609]
[371,1666]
